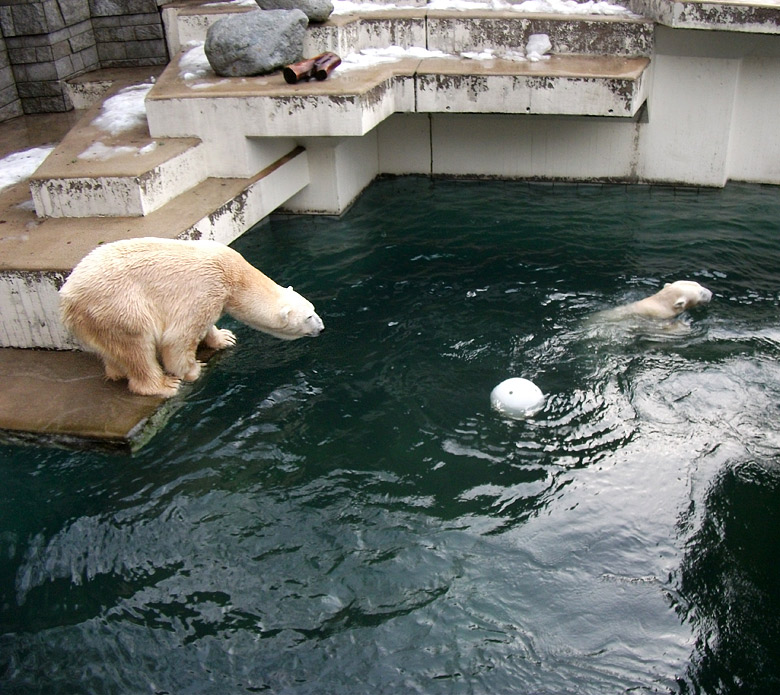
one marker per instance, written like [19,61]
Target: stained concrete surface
[61,398]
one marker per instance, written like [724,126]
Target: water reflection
[728,582]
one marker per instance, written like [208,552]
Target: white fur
[146,304]
[671,301]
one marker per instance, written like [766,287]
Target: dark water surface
[347,515]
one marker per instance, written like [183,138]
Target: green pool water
[347,514]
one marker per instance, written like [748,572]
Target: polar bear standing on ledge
[142,302]
[670,302]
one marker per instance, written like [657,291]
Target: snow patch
[601,7]
[21,165]
[375,56]
[125,110]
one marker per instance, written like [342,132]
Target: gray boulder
[316,10]
[255,43]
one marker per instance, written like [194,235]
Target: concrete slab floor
[61,398]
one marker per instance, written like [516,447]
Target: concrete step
[90,88]
[762,17]
[450,31]
[568,85]
[354,102]
[38,254]
[62,398]
[102,170]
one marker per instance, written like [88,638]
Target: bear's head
[298,318]
[684,294]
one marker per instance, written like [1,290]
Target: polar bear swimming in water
[144,305]
[668,303]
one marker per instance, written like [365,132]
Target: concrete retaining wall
[709,118]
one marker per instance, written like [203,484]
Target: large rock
[316,10]
[255,43]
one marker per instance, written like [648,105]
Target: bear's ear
[290,287]
[680,303]
[667,284]
[284,314]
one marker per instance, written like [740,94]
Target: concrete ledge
[89,88]
[81,409]
[726,15]
[563,85]
[96,173]
[353,103]
[614,35]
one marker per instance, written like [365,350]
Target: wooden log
[301,70]
[325,64]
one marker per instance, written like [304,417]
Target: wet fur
[145,305]
[668,303]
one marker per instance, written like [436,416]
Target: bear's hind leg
[114,371]
[144,374]
[219,338]
[179,361]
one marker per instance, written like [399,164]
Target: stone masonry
[47,42]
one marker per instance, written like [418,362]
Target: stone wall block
[11,110]
[6,21]
[74,11]
[46,104]
[148,32]
[59,50]
[28,19]
[82,40]
[110,8]
[64,67]
[39,89]
[54,19]
[8,95]
[114,33]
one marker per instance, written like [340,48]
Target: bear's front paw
[220,338]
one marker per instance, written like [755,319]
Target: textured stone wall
[128,33]
[10,104]
[49,41]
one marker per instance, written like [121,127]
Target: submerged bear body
[668,303]
[144,305]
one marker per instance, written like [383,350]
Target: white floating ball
[517,398]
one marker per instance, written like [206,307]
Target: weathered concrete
[130,175]
[563,85]
[453,32]
[62,399]
[713,15]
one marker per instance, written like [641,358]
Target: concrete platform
[61,399]
[354,103]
